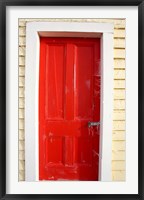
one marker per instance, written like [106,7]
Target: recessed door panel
[84,63]
[54,93]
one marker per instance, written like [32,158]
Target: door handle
[93,124]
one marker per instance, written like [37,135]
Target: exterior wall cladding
[118,138]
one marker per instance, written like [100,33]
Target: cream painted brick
[21,103]
[22,40]
[118,175]
[21,175]
[21,113]
[66,19]
[21,135]
[118,165]
[119,84]
[119,104]
[118,115]
[119,53]
[21,92]
[118,155]
[119,74]
[21,145]
[118,23]
[21,81]
[21,155]
[119,94]
[22,50]
[21,123]
[37,19]
[22,31]
[118,135]
[21,60]
[119,125]
[21,165]
[119,63]
[119,33]
[21,71]
[44,19]
[22,23]
[119,43]
[118,145]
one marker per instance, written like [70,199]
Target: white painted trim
[106,107]
[31,105]
[67,29]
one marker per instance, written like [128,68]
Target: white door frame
[67,29]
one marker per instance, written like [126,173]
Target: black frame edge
[3,4]
[141,99]
[2,101]
[72,2]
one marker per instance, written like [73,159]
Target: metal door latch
[93,124]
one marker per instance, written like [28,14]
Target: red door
[69,99]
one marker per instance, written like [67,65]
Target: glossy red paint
[69,97]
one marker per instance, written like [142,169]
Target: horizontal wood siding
[118,143]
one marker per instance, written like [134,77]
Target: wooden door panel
[69,97]
[69,85]
[83,153]
[54,94]
[58,150]
[53,156]
[83,81]
[71,173]
[69,128]
[96,97]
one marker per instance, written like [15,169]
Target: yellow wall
[118,139]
